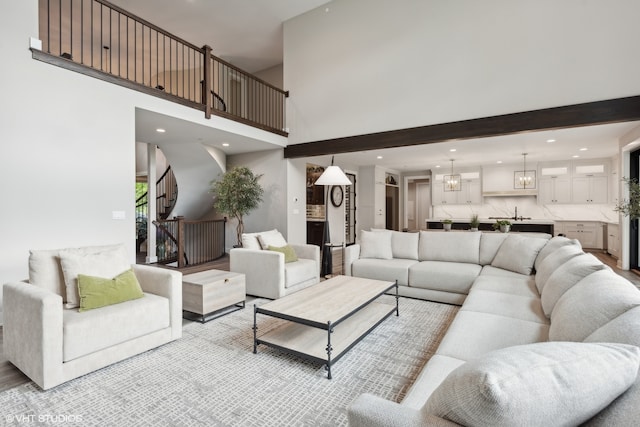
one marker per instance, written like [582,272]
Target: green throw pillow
[289,253]
[98,292]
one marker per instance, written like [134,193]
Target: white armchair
[52,344]
[266,273]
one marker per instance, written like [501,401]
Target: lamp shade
[333,175]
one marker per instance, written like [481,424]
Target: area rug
[211,377]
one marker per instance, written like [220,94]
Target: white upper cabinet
[469,193]
[578,181]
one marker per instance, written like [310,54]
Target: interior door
[423,204]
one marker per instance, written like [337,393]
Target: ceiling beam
[591,113]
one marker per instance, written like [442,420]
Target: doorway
[634,237]
[417,202]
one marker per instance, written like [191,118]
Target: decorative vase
[505,228]
[446,227]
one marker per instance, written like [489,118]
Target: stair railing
[189,242]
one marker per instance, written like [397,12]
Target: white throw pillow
[375,244]
[107,264]
[404,245]
[272,238]
[518,253]
[250,241]
[542,384]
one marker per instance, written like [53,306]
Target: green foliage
[475,222]
[141,188]
[447,221]
[499,223]
[631,207]
[237,194]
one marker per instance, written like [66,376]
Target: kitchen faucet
[515,218]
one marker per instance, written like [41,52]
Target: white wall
[67,153]
[368,66]
[272,75]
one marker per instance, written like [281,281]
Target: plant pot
[446,227]
[473,229]
[505,228]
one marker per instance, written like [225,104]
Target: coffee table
[326,320]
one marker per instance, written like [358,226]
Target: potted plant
[631,207]
[446,224]
[237,194]
[474,223]
[504,225]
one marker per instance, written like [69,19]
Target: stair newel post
[180,238]
[208,75]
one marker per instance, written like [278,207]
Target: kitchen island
[522,225]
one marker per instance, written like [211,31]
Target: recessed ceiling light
[437,166]
[549,141]
[225,144]
[160,130]
[499,162]
[452,150]
[379,157]
[575,156]
[584,149]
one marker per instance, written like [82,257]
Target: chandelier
[525,179]
[452,181]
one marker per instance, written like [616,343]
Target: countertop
[491,221]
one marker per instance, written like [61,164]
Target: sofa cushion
[518,253]
[404,245]
[519,285]
[94,330]
[287,250]
[489,270]
[566,276]
[507,305]
[433,373]
[444,276]
[553,261]
[271,238]
[538,384]
[375,244]
[45,270]
[450,247]
[383,269]
[299,271]
[108,263]
[590,304]
[96,292]
[473,334]
[489,245]
[624,329]
[552,245]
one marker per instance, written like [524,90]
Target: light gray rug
[210,377]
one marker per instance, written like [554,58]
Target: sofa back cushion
[566,276]
[263,239]
[551,246]
[489,245]
[536,384]
[404,245]
[449,246]
[518,253]
[592,303]
[375,244]
[551,263]
[45,270]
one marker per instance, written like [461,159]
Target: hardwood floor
[11,377]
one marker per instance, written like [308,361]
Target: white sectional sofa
[556,348]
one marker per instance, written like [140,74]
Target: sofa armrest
[307,251]
[351,253]
[165,283]
[32,332]
[371,411]
[263,270]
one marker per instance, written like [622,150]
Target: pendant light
[526,179]
[452,181]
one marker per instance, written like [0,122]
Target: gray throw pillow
[375,244]
[542,384]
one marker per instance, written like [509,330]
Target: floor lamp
[332,175]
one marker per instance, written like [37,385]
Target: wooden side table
[213,293]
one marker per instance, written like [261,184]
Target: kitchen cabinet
[372,205]
[590,189]
[613,240]
[554,189]
[471,192]
[589,233]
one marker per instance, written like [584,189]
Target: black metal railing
[186,243]
[115,45]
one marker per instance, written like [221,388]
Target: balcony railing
[102,40]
